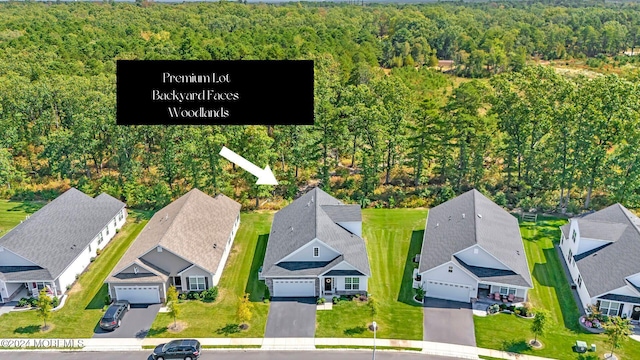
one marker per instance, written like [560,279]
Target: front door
[635,315]
[328,285]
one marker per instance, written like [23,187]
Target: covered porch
[343,282]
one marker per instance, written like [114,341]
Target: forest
[393,127]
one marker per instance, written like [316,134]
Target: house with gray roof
[56,243]
[601,251]
[472,249]
[185,244]
[315,248]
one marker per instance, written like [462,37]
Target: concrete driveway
[135,323]
[291,317]
[449,322]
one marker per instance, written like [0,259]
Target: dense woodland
[391,129]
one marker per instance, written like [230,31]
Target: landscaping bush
[68,287]
[210,295]
[503,307]
[320,301]
[55,302]
[193,295]
[265,300]
[494,308]
[107,300]
[182,296]
[511,308]
[92,259]
[33,301]
[98,252]
[23,302]
[335,299]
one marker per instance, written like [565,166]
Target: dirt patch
[47,329]
[536,344]
[177,327]
[243,327]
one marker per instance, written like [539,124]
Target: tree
[617,330]
[44,307]
[172,304]
[244,310]
[539,325]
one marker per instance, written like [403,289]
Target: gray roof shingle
[471,219]
[305,219]
[56,234]
[188,227]
[605,269]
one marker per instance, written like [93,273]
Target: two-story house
[601,250]
[315,248]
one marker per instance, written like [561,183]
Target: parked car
[186,349]
[114,314]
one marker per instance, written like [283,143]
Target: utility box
[593,347]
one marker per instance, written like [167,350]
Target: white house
[601,250]
[56,243]
[186,244]
[315,248]
[472,249]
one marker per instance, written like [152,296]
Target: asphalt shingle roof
[188,227]
[605,269]
[307,218]
[471,219]
[55,235]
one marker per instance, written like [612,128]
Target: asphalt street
[227,355]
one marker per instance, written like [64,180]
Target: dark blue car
[114,314]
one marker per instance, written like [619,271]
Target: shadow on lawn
[515,346]
[27,207]
[406,287]
[31,329]
[155,331]
[98,299]
[255,287]
[228,329]
[355,330]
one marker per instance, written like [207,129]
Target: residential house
[54,245]
[472,248]
[315,248]
[601,250]
[185,244]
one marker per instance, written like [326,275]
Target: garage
[138,294]
[294,288]
[448,291]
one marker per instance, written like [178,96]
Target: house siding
[341,288]
[195,271]
[567,244]
[9,258]
[166,260]
[481,259]
[227,251]
[306,253]
[354,227]
[458,276]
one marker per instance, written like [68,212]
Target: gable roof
[314,215]
[604,269]
[188,227]
[54,236]
[471,219]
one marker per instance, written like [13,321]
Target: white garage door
[448,291]
[138,294]
[294,288]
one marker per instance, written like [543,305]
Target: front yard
[552,292]
[218,319]
[83,309]
[393,237]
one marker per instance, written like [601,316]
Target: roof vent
[135,270]
[291,228]
[437,224]
[449,217]
[166,217]
[463,215]
[215,246]
[311,198]
[480,216]
[518,252]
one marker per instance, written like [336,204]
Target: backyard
[551,292]
[83,309]
[393,237]
[12,212]
[218,319]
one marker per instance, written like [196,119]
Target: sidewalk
[301,344]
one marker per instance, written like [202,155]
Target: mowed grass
[551,292]
[12,212]
[219,319]
[83,308]
[393,237]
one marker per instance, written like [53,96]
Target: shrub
[265,300]
[93,258]
[55,302]
[210,295]
[107,300]
[320,301]
[503,307]
[420,293]
[182,296]
[98,252]
[335,299]
[23,302]
[33,301]
[77,276]
[68,287]
[193,295]
[494,308]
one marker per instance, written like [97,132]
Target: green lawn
[83,309]
[12,212]
[551,291]
[240,275]
[393,237]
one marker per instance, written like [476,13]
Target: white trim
[146,252]
[304,247]
[344,262]
[187,268]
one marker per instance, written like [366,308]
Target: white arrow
[265,176]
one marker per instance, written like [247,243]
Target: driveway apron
[291,317]
[448,322]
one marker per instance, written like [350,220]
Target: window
[570,256]
[196,283]
[507,290]
[561,239]
[573,236]
[121,214]
[107,229]
[100,238]
[610,308]
[89,248]
[316,251]
[579,281]
[450,269]
[352,283]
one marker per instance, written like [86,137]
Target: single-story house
[472,248]
[601,250]
[56,243]
[185,244]
[315,248]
